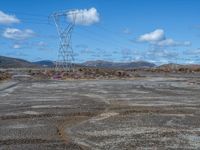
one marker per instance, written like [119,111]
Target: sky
[111,30]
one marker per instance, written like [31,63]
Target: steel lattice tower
[65,59]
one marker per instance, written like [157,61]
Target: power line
[41,19]
[111,32]
[113,41]
[68,13]
[28,14]
[37,23]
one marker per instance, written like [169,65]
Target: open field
[142,113]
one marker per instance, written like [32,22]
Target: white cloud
[154,36]
[84,16]
[17,34]
[190,62]
[161,53]
[16,46]
[171,42]
[192,52]
[42,44]
[166,42]
[158,38]
[186,43]
[8,19]
[127,31]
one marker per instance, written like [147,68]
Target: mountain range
[118,65]
[8,62]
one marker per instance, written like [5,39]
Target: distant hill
[128,65]
[49,63]
[8,62]
[171,66]
[45,63]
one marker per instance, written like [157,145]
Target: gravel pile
[82,73]
[4,75]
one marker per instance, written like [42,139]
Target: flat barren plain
[161,112]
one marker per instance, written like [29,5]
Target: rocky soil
[159,112]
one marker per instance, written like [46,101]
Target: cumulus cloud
[81,46]
[186,43]
[171,42]
[16,46]
[87,51]
[162,53]
[84,16]
[154,36]
[42,44]
[158,38]
[127,31]
[166,42]
[8,19]
[195,52]
[17,34]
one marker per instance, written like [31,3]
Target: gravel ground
[143,113]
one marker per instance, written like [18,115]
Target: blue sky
[119,30]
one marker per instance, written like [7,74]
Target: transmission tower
[64,27]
